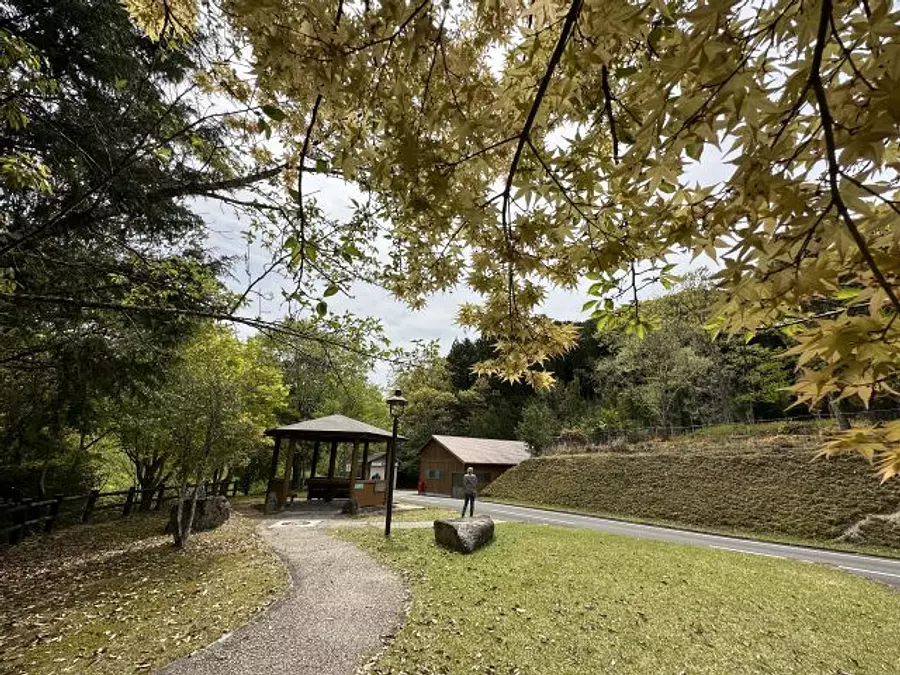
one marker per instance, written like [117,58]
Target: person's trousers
[470,502]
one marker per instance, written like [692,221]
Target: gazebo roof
[332,428]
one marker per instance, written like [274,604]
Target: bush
[537,427]
[777,427]
[569,441]
[76,476]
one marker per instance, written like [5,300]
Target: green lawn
[826,544]
[415,515]
[117,597]
[544,601]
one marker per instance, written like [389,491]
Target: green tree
[145,439]
[425,382]
[326,367]
[218,399]
[101,259]
[679,375]
[669,378]
[538,427]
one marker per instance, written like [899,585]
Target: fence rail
[575,440]
[27,516]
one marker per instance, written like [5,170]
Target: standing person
[470,486]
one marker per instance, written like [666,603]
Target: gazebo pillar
[288,466]
[288,470]
[332,458]
[315,460]
[274,470]
[365,460]
[297,473]
[353,457]
[273,498]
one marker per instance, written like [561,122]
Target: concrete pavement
[885,570]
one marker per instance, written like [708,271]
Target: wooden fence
[18,520]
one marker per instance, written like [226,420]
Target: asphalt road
[884,570]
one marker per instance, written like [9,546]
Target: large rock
[350,507]
[464,535]
[271,505]
[211,513]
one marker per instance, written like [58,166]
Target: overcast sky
[437,321]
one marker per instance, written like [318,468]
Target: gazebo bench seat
[328,488]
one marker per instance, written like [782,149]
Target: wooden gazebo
[332,430]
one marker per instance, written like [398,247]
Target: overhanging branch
[834,169]
[525,135]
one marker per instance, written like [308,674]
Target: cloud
[437,321]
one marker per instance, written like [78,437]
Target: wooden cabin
[444,459]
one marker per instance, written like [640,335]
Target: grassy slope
[550,601]
[767,487]
[118,598]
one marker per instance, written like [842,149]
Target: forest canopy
[518,145]
[513,146]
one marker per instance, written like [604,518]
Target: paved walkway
[340,606]
[885,570]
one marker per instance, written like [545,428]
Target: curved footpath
[340,605]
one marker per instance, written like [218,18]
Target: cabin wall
[437,467]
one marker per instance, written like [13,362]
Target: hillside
[768,486]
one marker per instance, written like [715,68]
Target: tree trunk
[147,492]
[179,515]
[838,411]
[183,528]
[42,482]
[226,481]
[149,478]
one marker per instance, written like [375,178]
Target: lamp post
[396,404]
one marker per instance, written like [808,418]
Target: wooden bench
[328,488]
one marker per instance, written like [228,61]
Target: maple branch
[848,53]
[450,74]
[524,135]
[834,169]
[389,38]
[436,43]
[478,153]
[607,107]
[590,220]
[813,317]
[891,203]
[301,211]
[798,259]
[635,302]
[303,152]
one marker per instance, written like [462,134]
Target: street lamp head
[396,403]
